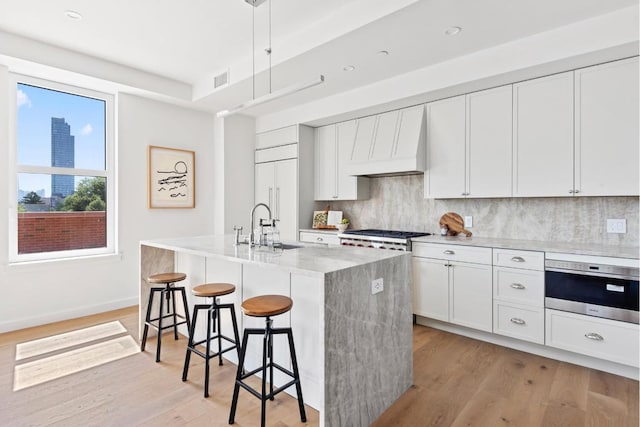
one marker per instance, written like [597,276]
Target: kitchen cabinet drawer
[593,336]
[518,286]
[519,321]
[326,238]
[529,260]
[460,253]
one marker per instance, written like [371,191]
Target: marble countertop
[307,259]
[537,245]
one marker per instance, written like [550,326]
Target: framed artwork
[319,219]
[171,178]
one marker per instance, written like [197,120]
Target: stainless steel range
[380,239]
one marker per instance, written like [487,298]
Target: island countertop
[307,259]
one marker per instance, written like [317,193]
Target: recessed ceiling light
[452,31]
[349,68]
[72,14]
[383,52]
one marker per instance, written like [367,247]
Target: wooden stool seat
[213,289]
[166,278]
[266,305]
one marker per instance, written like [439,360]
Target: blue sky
[36,107]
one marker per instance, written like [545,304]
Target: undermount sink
[287,246]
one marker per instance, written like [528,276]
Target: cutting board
[454,223]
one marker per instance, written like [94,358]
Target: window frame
[14,169]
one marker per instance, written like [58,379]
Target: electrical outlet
[616,226]
[377,286]
[468,221]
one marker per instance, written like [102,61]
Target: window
[62,183]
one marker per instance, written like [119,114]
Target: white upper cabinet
[333,147]
[489,143]
[445,174]
[276,137]
[606,129]
[543,136]
[469,140]
[325,155]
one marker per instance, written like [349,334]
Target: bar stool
[267,306]
[213,291]
[168,292]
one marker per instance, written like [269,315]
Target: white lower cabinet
[519,321]
[518,294]
[593,336]
[431,288]
[450,289]
[470,295]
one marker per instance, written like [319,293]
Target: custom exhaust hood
[392,143]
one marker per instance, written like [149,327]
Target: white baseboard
[13,325]
[540,350]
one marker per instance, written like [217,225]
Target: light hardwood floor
[457,381]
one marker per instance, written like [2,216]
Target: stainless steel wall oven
[601,290]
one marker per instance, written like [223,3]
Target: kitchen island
[354,347]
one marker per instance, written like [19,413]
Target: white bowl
[342,227]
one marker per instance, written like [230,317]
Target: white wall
[43,292]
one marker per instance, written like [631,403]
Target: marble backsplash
[398,203]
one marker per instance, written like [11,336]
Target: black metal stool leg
[219,314]
[159,342]
[147,319]
[175,314]
[236,388]
[236,335]
[187,357]
[270,354]
[186,307]
[265,350]
[207,354]
[296,374]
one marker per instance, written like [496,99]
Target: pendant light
[272,95]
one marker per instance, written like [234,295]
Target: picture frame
[171,178]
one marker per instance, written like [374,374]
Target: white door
[543,136]
[489,147]
[431,288]
[471,295]
[286,198]
[445,174]
[326,163]
[606,128]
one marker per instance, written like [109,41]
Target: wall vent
[221,80]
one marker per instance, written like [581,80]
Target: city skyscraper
[62,155]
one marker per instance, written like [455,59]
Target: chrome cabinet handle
[448,265]
[449,252]
[320,239]
[517,321]
[571,191]
[270,197]
[517,259]
[594,336]
[517,286]
[576,191]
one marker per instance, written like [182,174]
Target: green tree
[90,195]
[31,198]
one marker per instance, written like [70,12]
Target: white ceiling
[191,41]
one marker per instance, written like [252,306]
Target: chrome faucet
[252,241]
